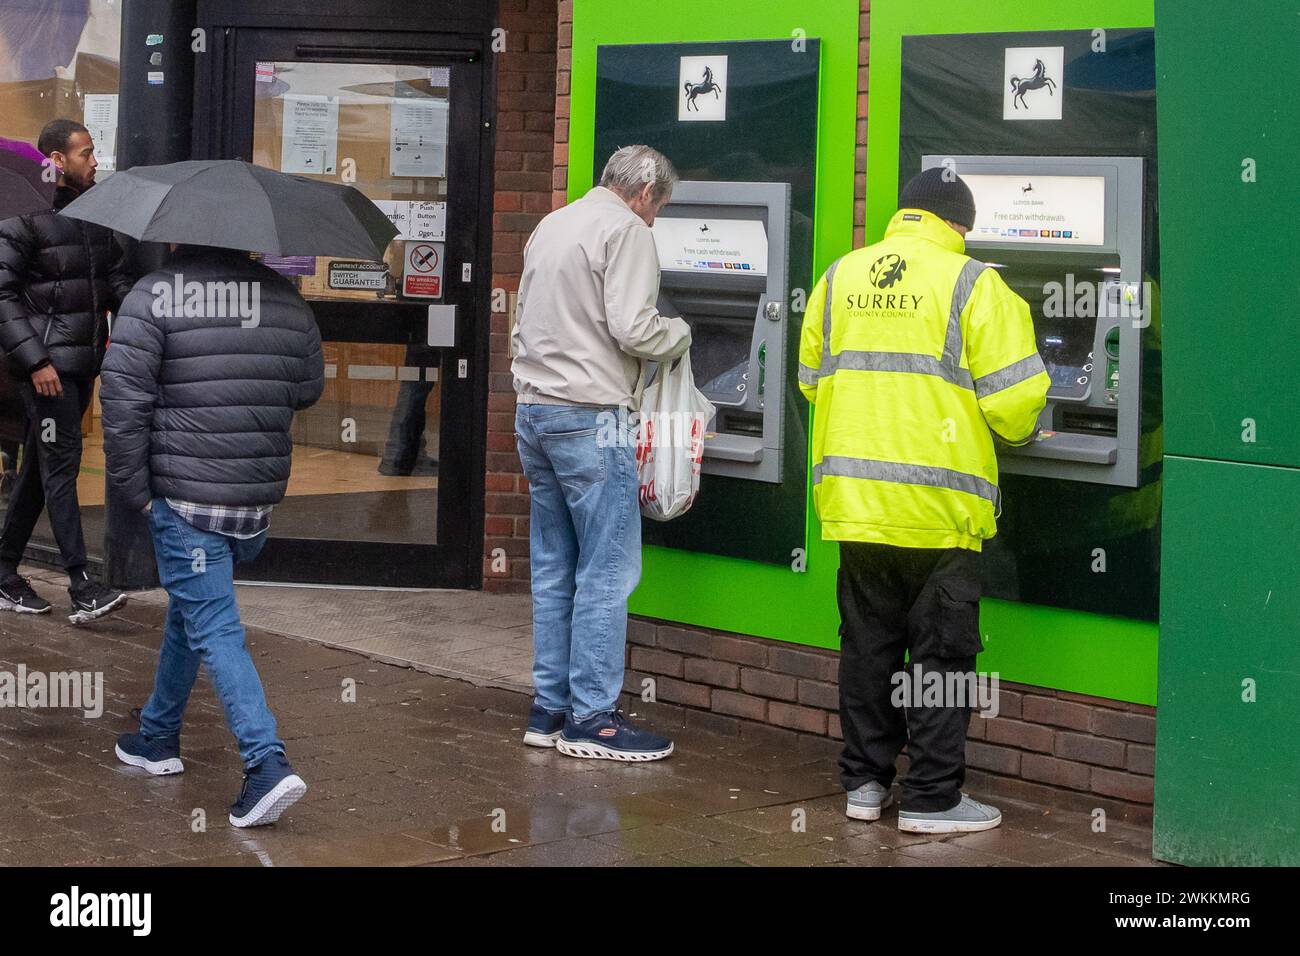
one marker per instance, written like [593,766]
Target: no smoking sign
[422,273]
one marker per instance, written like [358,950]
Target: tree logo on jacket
[887,270]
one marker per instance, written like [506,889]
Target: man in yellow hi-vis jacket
[916,356]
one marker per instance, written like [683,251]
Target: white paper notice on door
[417,143]
[398,213]
[100,111]
[309,139]
[429,221]
[416,220]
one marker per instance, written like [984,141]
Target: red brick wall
[525,154]
[1044,745]
[560,172]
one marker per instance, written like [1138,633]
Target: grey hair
[631,167]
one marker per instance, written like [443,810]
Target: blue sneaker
[158,755]
[609,736]
[543,727]
[269,789]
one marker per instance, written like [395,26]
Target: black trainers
[91,600]
[16,594]
[269,789]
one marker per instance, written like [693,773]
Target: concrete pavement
[422,768]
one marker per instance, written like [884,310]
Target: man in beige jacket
[585,320]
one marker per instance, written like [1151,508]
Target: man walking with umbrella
[211,356]
[58,278]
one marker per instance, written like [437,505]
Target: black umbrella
[23,187]
[236,205]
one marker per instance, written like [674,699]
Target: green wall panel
[1068,650]
[1228,771]
[1231,256]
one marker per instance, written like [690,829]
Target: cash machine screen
[720,345]
[1063,300]
[720,358]
[1067,354]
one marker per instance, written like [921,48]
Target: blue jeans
[197,569]
[585,550]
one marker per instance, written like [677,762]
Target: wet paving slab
[407,768]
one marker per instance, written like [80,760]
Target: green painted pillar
[1228,719]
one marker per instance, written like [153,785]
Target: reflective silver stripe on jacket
[961,293]
[896,362]
[807,374]
[826,309]
[947,367]
[840,466]
[1013,374]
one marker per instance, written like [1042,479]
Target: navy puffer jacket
[199,391]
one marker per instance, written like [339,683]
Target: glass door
[382,489]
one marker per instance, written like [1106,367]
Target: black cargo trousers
[47,479]
[924,602]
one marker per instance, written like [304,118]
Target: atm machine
[1065,232]
[723,268]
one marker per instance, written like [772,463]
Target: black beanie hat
[946,198]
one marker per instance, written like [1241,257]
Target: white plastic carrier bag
[674,416]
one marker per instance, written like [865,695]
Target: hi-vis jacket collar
[925,225]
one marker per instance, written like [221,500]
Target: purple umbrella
[19,148]
[24,187]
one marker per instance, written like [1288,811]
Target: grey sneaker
[969,816]
[866,802]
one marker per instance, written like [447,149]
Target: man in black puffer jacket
[211,356]
[58,278]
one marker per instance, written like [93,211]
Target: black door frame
[223,91]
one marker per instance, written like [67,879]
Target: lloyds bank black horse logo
[1035,82]
[698,89]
